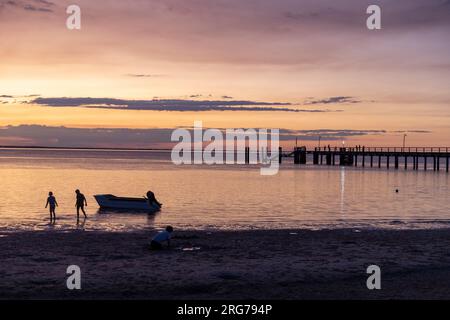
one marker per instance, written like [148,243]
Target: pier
[415,158]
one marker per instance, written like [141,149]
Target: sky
[138,69]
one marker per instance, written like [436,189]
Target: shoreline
[253,264]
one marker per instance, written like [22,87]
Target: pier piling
[315,157]
[296,156]
[247,155]
[280,155]
[328,158]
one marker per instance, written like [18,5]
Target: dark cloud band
[171,105]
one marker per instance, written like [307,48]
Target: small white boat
[109,201]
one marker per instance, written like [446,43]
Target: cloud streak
[334,100]
[30,7]
[326,134]
[143,75]
[412,131]
[172,105]
[33,5]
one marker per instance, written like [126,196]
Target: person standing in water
[51,201]
[80,203]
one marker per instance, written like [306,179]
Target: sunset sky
[137,69]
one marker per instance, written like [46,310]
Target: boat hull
[107,201]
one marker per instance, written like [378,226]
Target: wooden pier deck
[425,158]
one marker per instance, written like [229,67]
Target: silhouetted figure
[51,201]
[160,238]
[80,203]
[152,200]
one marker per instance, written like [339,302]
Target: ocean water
[225,197]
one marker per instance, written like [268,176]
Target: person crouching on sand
[51,201]
[160,238]
[80,203]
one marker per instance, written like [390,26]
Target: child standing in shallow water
[51,201]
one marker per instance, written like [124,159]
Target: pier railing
[386,149]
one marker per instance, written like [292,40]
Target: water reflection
[342,189]
[81,223]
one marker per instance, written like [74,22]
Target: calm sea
[215,197]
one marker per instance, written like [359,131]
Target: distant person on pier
[51,201]
[80,203]
[152,199]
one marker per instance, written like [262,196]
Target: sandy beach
[270,264]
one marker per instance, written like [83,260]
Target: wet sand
[270,264]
